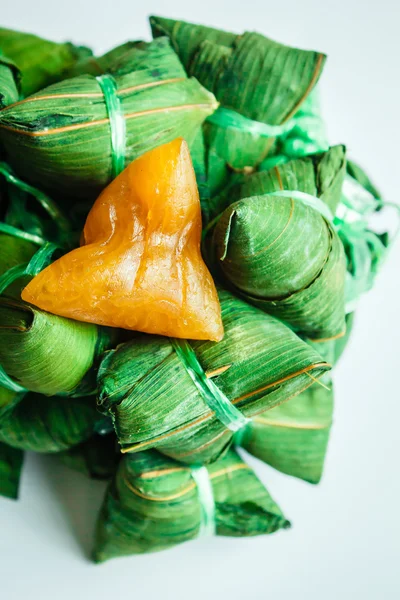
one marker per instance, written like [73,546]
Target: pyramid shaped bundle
[181,256]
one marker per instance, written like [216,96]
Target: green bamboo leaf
[293,437]
[154,403]
[63,132]
[126,58]
[8,399]
[15,251]
[43,352]
[319,174]
[40,61]
[42,424]
[258,78]
[29,209]
[11,460]
[358,173]
[283,255]
[154,503]
[98,457]
[9,81]
[307,136]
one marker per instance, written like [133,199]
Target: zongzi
[42,424]
[69,137]
[140,266]
[157,390]
[155,503]
[260,84]
[279,248]
[293,436]
[40,61]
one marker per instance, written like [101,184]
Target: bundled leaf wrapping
[280,252]
[258,82]
[155,503]
[114,355]
[39,351]
[68,124]
[145,386]
[293,437]
[28,209]
[9,81]
[41,424]
[41,62]
[46,353]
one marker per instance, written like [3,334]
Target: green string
[23,235]
[224,410]
[39,261]
[308,199]
[206,499]
[117,123]
[366,251]
[230,119]
[237,439]
[45,201]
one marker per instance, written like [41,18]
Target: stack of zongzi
[198,304]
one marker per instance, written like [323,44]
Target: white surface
[345,537]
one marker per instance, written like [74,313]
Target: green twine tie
[117,123]
[206,499]
[230,119]
[366,250]
[220,404]
[60,220]
[39,261]
[308,199]
[23,235]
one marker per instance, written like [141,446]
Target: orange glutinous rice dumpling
[140,265]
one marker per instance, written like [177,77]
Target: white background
[345,537]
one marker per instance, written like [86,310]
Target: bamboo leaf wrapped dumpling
[260,84]
[42,424]
[69,124]
[293,436]
[155,503]
[40,61]
[279,249]
[148,388]
[140,266]
[9,81]
[39,351]
[46,353]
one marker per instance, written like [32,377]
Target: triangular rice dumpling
[140,266]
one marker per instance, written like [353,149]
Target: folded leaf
[293,436]
[282,254]
[258,78]
[9,81]
[154,503]
[10,470]
[46,353]
[43,424]
[67,125]
[40,61]
[29,209]
[154,402]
